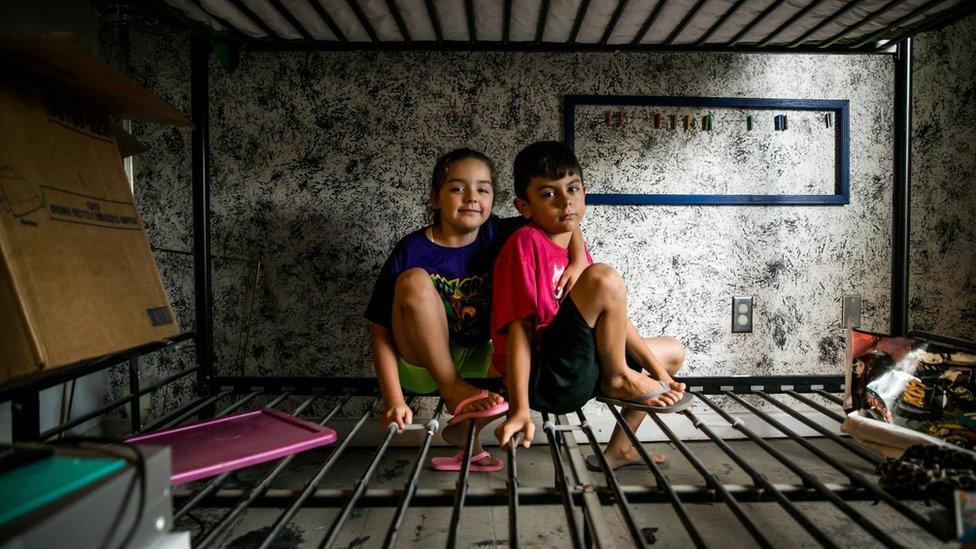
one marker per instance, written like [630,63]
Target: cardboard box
[77,277]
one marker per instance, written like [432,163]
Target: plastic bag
[913,382]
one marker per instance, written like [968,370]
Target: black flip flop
[635,402]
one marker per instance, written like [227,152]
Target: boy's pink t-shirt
[524,285]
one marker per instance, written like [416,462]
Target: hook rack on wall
[700,113]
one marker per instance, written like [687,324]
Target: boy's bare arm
[385,362]
[578,263]
[518,356]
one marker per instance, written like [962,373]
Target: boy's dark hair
[439,176]
[549,159]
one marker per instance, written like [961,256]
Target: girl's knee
[412,278]
[413,282]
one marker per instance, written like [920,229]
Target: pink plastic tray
[214,446]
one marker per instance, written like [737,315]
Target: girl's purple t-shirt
[462,277]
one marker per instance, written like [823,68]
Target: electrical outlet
[741,315]
[850,316]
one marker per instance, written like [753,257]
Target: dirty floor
[545,526]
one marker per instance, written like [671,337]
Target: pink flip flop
[454,463]
[495,410]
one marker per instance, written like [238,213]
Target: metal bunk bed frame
[573,488]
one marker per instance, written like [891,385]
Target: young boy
[558,351]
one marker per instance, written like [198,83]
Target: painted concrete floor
[546,526]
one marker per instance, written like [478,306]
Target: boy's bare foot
[630,456]
[461,390]
[457,435]
[631,384]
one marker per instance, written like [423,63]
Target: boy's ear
[523,208]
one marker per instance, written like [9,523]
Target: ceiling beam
[580,15]
[719,22]
[434,20]
[469,15]
[540,26]
[963,9]
[256,19]
[684,22]
[621,4]
[865,20]
[324,15]
[796,17]
[232,29]
[893,26]
[528,46]
[398,17]
[276,4]
[648,22]
[762,15]
[847,7]
[363,20]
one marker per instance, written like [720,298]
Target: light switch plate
[742,314]
[850,315]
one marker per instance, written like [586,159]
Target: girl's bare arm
[385,362]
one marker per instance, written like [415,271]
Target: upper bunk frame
[772,26]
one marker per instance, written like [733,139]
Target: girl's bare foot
[457,436]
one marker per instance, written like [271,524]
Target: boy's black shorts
[565,370]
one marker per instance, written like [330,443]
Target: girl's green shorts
[469,361]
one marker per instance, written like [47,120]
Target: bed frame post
[125,65]
[202,274]
[901,192]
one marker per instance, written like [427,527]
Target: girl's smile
[464,202]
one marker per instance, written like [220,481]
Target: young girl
[431,304]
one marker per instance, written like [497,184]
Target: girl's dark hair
[440,176]
[549,159]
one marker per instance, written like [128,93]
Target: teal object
[28,488]
[227,52]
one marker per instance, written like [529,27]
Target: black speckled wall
[320,162]
[163,194]
[943,239]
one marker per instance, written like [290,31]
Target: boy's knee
[675,357]
[604,277]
